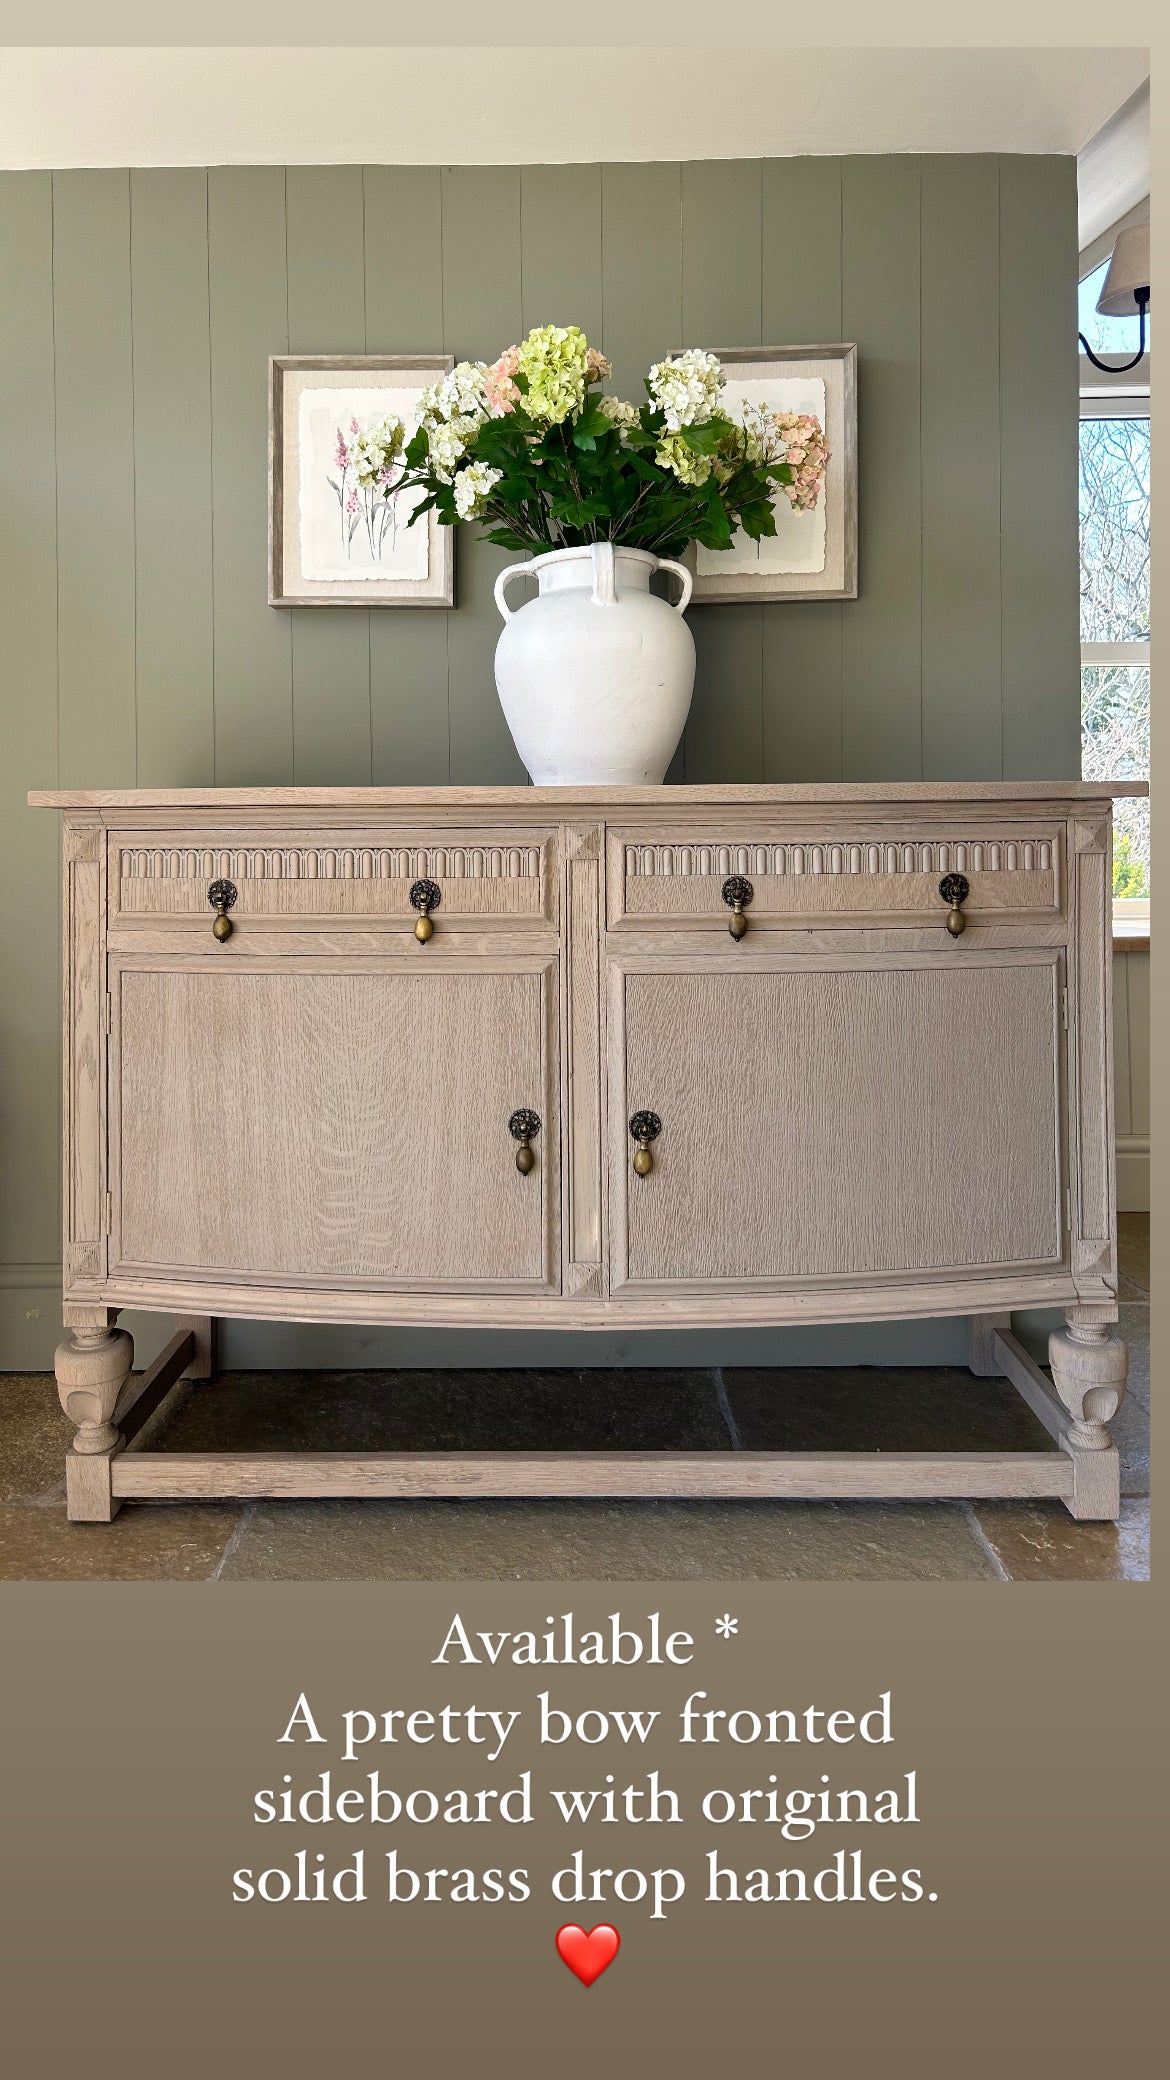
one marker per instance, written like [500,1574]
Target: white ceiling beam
[1113,171]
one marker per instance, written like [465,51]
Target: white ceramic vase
[595,675]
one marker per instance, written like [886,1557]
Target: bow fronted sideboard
[596,1058]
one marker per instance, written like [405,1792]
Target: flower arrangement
[530,447]
[370,470]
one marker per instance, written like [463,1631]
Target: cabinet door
[898,1116]
[333,1127]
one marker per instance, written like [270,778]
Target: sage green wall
[137,312]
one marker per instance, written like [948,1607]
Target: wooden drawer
[825,877]
[332,878]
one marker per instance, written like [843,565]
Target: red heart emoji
[588,1955]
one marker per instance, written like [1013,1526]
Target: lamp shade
[1129,271]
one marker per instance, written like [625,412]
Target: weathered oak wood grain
[861,1116]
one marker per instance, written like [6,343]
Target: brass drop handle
[954,889]
[645,1128]
[222,897]
[425,896]
[523,1126]
[737,894]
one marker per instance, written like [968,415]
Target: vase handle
[605,590]
[667,563]
[514,570]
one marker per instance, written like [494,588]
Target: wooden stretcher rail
[679,1475]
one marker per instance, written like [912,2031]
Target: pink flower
[596,365]
[351,504]
[502,394]
[341,453]
[807,456]
[353,426]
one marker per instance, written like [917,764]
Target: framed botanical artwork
[812,555]
[338,533]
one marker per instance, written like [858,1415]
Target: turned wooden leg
[1089,1367]
[92,1367]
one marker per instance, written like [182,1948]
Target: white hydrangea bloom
[373,451]
[462,394]
[472,488]
[617,410]
[686,388]
[449,442]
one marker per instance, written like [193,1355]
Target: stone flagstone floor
[918,1409]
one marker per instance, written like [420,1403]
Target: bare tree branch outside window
[1115,608]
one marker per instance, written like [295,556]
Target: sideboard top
[567,800]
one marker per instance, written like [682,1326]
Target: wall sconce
[1126,289]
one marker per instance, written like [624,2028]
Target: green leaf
[591,421]
[757,520]
[704,440]
[650,472]
[717,533]
[578,512]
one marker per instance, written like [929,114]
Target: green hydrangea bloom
[552,359]
[673,453]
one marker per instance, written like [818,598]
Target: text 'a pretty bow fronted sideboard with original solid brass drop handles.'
[611,1058]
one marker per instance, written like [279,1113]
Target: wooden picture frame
[360,555]
[832,369]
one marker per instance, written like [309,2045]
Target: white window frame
[1118,395]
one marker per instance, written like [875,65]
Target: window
[1115,595]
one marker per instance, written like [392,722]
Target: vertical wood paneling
[1038,445]
[29,920]
[881,630]
[95,464]
[963,318]
[641,263]
[722,307]
[327,315]
[249,321]
[409,728]
[172,477]
[403,259]
[641,239]
[802,306]
[801,246]
[962,718]
[722,203]
[560,248]
[482,312]
[482,301]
